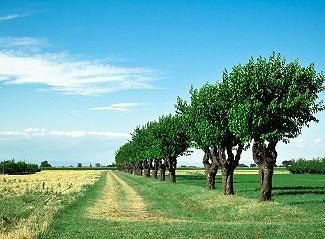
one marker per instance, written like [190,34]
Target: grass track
[203,213]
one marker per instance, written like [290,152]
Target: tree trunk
[211,169]
[171,165]
[162,170]
[227,181]
[211,180]
[228,163]
[265,157]
[146,166]
[172,176]
[265,176]
[155,170]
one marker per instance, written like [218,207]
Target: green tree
[208,126]
[79,165]
[287,163]
[271,102]
[172,141]
[45,164]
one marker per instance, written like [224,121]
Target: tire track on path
[119,202]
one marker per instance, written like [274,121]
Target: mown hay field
[28,203]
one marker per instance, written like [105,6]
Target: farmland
[28,203]
[128,206]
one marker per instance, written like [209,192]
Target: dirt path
[119,202]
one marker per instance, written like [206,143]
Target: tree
[287,163]
[45,164]
[252,165]
[172,141]
[271,102]
[97,165]
[242,165]
[208,126]
[191,118]
[79,165]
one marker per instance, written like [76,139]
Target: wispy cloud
[36,132]
[317,141]
[64,73]
[118,107]
[12,42]
[298,142]
[10,17]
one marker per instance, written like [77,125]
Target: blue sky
[76,77]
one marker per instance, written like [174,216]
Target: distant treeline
[12,167]
[303,166]
[78,168]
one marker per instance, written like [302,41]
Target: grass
[188,210]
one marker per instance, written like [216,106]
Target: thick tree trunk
[171,165]
[265,157]
[227,181]
[139,168]
[228,163]
[265,176]
[146,166]
[162,170]
[211,169]
[172,176]
[211,180]
[155,169]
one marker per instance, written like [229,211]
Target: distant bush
[242,165]
[12,167]
[302,166]
[45,164]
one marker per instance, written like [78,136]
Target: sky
[77,76]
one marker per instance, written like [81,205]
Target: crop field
[120,205]
[28,203]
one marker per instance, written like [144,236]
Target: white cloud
[10,17]
[11,42]
[317,141]
[298,142]
[118,107]
[35,132]
[61,72]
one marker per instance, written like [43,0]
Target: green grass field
[188,210]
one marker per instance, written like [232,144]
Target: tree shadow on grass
[307,202]
[297,188]
[298,192]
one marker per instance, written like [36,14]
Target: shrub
[302,166]
[12,167]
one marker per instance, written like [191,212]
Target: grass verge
[204,214]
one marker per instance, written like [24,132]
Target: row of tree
[12,167]
[257,104]
[301,166]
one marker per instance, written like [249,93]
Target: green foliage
[286,163]
[206,116]
[155,140]
[12,167]
[171,135]
[302,166]
[272,100]
[45,164]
